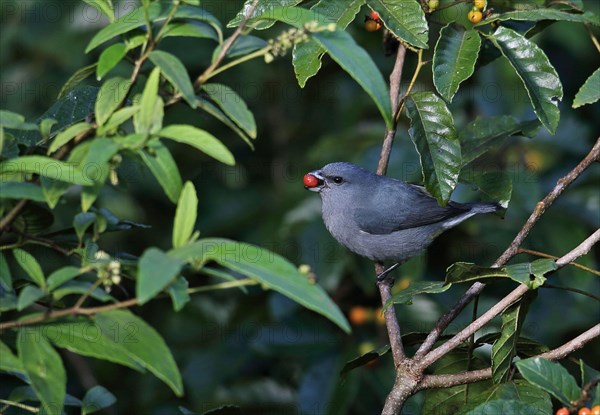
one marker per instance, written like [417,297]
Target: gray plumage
[382,218]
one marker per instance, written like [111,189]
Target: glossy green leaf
[21,190]
[486,133]
[104,6]
[199,139]
[536,15]
[454,58]
[8,361]
[405,19]
[435,138]
[30,265]
[364,359]
[198,30]
[307,55]
[144,345]
[175,72]
[67,135]
[346,52]
[415,288]
[95,399]
[46,128]
[149,118]
[5,274]
[198,14]
[28,296]
[159,160]
[110,97]
[504,348]
[216,112]
[96,166]
[79,76]
[45,166]
[81,287]
[118,118]
[233,106]
[529,273]
[506,407]
[45,370]
[81,222]
[449,401]
[535,70]
[109,58]
[589,91]
[9,119]
[178,291]
[259,19]
[494,186]
[156,270]
[268,268]
[62,275]
[551,377]
[185,216]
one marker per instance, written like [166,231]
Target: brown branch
[581,250]
[511,251]
[454,379]
[545,255]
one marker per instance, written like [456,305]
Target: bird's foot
[385,277]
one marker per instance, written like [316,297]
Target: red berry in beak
[310,180]
[374,15]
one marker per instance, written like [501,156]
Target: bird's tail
[486,207]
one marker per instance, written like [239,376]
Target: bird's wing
[395,205]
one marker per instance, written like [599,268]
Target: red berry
[310,180]
[585,411]
[562,411]
[374,15]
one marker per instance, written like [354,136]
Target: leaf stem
[592,36]
[233,63]
[420,64]
[223,285]
[544,255]
[32,409]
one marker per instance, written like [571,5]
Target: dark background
[259,350]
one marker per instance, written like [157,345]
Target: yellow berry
[433,4]
[480,4]
[475,16]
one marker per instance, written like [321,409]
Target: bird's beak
[318,186]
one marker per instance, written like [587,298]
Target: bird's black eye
[338,180]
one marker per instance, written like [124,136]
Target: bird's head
[338,178]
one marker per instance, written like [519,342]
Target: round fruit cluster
[476,13]
[583,411]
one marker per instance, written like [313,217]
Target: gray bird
[382,218]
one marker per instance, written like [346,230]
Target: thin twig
[545,255]
[571,289]
[413,81]
[592,36]
[511,251]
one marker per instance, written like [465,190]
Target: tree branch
[545,255]
[511,251]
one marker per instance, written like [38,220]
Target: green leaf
[505,348]
[307,55]
[81,222]
[111,95]
[525,347]
[87,338]
[199,139]
[346,52]
[28,296]
[9,119]
[156,270]
[97,398]
[551,377]
[96,166]
[160,162]
[185,215]
[179,293]
[415,288]
[364,359]
[104,6]
[21,190]
[62,275]
[537,73]
[30,265]
[529,273]
[79,76]
[118,118]
[45,370]
[486,133]
[268,268]
[198,14]
[494,186]
[109,58]
[233,106]
[213,110]
[262,11]
[405,19]
[535,15]
[519,390]
[435,138]
[506,407]
[144,345]
[150,116]
[589,91]
[46,127]
[46,167]
[80,287]
[454,58]
[8,361]
[448,401]
[5,275]
[198,30]
[172,69]
[67,135]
